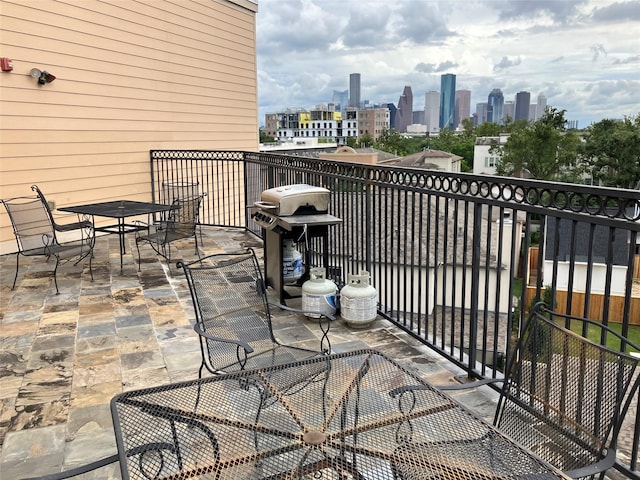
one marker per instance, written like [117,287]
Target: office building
[509,111]
[340,99]
[481,113]
[373,121]
[495,106]
[447,100]
[393,111]
[523,100]
[462,106]
[354,90]
[404,115]
[432,111]
[541,106]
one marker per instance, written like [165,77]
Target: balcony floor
[63,357]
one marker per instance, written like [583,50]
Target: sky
[583,55]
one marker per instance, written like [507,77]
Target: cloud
[618,12]
[624,61]
[433,68]
[560,11]
[596,50]
[507,62]
[557,59]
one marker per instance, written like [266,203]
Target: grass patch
[593,334]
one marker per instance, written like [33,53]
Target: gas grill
[293,212]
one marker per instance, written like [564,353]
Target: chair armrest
[600,466]
[68,227]
[247,348]
[297,310]
[473,384]
[103,462]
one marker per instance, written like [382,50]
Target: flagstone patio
[63,357]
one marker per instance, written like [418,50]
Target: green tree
[264,138]
[365,140]
[489,129]
[543,149]
[612,152]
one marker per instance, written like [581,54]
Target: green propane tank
[358,301]
[319,293]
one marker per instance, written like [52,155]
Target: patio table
[354,415]
[120,210]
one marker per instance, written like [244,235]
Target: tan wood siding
[131,76]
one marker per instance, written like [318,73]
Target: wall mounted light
[42,75]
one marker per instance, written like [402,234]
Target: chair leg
[55,275]
[15,278]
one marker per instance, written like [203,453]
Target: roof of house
[427,159]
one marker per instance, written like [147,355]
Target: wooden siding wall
[131,76]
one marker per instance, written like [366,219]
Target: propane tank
[319,293]
[358,301]
[291,262]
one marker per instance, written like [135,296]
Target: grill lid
[294,200]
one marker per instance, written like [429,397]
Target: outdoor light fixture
[42,76]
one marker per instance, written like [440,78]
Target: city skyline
[582,54]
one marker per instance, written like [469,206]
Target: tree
[365,140]
[543,150]
[612,152]
[264,138]
[489,129]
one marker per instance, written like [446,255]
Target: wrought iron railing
[457,259]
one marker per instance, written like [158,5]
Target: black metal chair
[180,223]
[564,396]
[37,234]
[233,316]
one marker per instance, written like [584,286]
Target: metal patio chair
[233,315]
[180,223]
[37,234]
[564,396]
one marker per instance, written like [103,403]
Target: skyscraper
[509,110]
[495,106]
[432,111]
[354,90]
[404,115]
[541,106]
[523,99]
[341,98]
[447,100]
[463,106]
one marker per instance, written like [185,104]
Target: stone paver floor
[63,357]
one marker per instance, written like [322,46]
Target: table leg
[121,232]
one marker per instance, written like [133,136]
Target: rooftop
[65,356]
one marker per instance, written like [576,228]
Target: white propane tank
[358,301]
[319,293]
[291,262]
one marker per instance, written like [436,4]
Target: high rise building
[341,99]
[495,106]
[393,111]
[432,111]
[354,90]
[541,105]
[463,106]
[447,100]
[404,115]
[523,99]
[481,113]
[509,111]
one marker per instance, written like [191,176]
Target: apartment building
[124,78]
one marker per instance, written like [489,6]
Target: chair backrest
[230,301]
[31,223]
[183,216]
[566,395]
[45,204]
